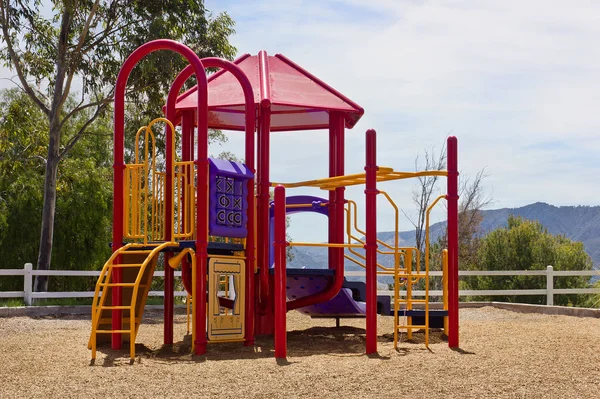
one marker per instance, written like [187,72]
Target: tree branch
[75,57]
[81,131]
[80,108]
[16,60]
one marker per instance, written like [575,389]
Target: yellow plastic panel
[226,280]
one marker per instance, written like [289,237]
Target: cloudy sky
[518,82]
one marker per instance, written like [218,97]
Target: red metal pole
[119,164]
[250,239]
[187,150]
[339,198]
[169,290]
[452,197]
[371,240]
[331,252]
[280,265]
[263,186]
[203,152]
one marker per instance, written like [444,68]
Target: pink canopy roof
[299,100]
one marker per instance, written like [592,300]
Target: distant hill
[579,223]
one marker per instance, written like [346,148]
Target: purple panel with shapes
[228,205]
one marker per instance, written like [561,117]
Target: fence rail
[28,295]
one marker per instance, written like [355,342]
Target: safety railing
[145,196]
[184,211]
[352,223]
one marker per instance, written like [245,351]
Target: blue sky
[518,82]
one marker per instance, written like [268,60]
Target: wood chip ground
[503,355]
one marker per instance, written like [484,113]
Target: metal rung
[410,327]
[125,320]
[117,284]
[110,307]
[137,251]
[412,300]
[411,275]
[112,331]
[119,265]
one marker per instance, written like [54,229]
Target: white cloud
[517,82]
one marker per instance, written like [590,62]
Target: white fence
[27,294]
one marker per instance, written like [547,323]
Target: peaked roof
[299,100]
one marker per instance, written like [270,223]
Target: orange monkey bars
[383,174]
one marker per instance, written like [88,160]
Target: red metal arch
[250,116]
[119,164]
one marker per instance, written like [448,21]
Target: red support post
[280,278]
[371,240]
[331,252]
[187,154]
[452,197]
[263,184]
[339,198]
[202,153]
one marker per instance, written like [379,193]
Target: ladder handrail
[99,300]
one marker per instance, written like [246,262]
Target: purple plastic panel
[341,305]
[228,207]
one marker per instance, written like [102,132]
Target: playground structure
[229,240]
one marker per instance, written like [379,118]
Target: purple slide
[303,282]
[342,305]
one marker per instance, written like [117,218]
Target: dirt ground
[503,355]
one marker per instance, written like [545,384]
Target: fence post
[549,286]
[27,283]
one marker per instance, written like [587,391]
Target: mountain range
[579,223]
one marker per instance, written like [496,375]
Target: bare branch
[16,60]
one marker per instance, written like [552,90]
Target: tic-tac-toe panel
[228,206]
[226,292]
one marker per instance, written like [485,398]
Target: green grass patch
[12,302]
[63,302]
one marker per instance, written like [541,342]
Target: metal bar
[452,191]
[318,244]
[280,276]
[371,240]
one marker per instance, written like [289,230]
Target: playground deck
[503,354]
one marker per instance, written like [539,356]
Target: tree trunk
[47,233]
[48,211]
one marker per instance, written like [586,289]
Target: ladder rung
[121,265]
[418,275]
[112,331]
[399,301]
[110,307]
[117,284]
[410,327]
[137,251]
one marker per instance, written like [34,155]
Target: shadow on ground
[345,341]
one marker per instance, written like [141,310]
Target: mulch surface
[502,355]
